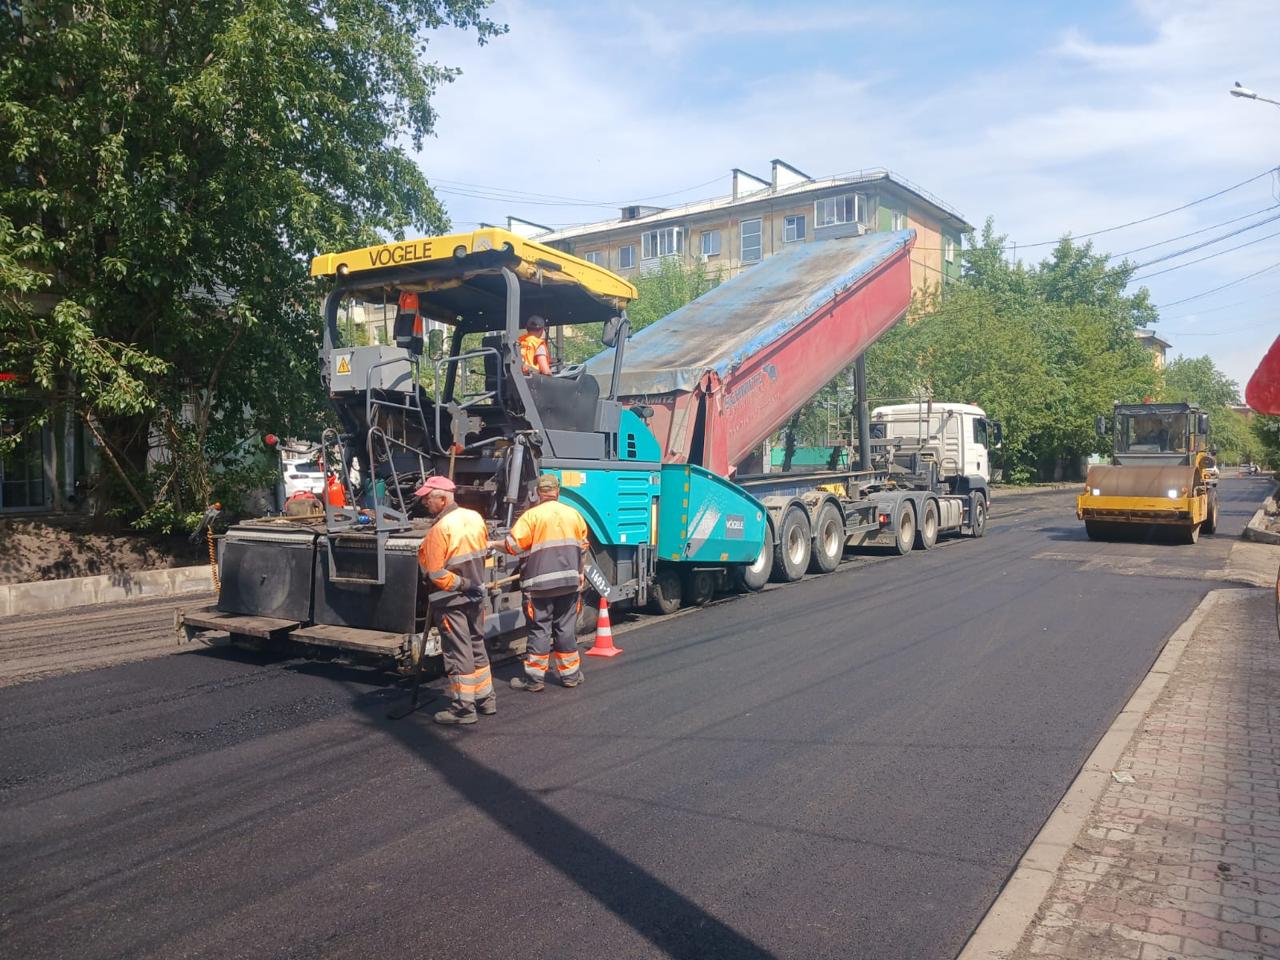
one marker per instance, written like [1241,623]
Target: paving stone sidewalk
[1185,861]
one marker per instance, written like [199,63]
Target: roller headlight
[1173,494]
[1097,491]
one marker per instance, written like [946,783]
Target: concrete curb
[1256,530]
[1000,493]
[1014,909]
[40,596]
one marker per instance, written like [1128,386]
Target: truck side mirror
[997,434]
[1203,423]
[609,336]
[1100,426]
[435,343]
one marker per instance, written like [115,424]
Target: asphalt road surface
[845,767]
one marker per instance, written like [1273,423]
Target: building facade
[1157,347]
[761,217]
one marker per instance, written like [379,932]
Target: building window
[793,229]
[948,250]
[897,220]
[627,256]
[595,256]
[711,243]
[751,249]
[661,243]
[850,208]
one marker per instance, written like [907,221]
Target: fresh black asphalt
[846,767]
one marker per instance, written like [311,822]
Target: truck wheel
[828,540]
[751,577]
[795,542]
[927,533]
[978,516]
[666,593]
[699,587]
[1211,517]
[906,530]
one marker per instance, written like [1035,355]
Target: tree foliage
[1198,380]
[169,170]
[1042,348]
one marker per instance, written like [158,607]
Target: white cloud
[1073,132]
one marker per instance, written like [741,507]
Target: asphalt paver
[848,766]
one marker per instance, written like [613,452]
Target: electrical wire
[1161,243]
[1208,243]
[1211,256]
[1205,293]
[1265,295]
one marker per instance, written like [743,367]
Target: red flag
[1263,391]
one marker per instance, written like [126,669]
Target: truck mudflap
[707,519]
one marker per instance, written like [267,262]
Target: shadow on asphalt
[670,921]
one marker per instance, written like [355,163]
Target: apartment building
[760,217]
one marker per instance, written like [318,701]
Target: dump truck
[1158,477]
[718,376]
[670,520]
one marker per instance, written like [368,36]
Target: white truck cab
[958,435]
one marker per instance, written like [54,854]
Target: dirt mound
[57,548]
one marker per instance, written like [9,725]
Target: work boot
[574,681]
[488,708]
[527,685]
[455,718]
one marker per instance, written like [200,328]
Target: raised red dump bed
[724,372]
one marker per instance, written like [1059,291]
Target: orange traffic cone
[604,634]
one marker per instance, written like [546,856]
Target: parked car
[302,475]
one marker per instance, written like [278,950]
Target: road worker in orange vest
[552,538]
[534,355]
[452,557]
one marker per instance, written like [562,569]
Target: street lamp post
[1245,93]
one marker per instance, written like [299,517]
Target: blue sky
[1052,118]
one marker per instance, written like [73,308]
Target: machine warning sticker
[734,527]
[342,365]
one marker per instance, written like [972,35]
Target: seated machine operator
[534,355]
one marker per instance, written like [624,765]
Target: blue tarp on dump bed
[729,324]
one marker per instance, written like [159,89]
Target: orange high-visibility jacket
[454,547]
[533,347]
[552,537]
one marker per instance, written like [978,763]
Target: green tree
[169,169]
[1198,380]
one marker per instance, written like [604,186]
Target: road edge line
[1012,912]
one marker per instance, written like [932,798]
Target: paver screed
[1185,860]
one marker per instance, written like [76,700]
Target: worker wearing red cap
[552,538]
[452,557]
[534,356]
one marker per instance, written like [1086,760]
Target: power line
[1205,293]
[1155,216]
[1161,243]
[1207,243]
[1221,333]
[1179,266]
[1267,294]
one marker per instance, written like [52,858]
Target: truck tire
[828,539]
[751,577]
[978,516]
[795,542]
[699,588]
[1211,516]
[927,532]
[667,591]
[906,523]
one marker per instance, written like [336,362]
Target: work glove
[469,589]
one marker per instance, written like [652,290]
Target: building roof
[1150,337]
[767,192]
